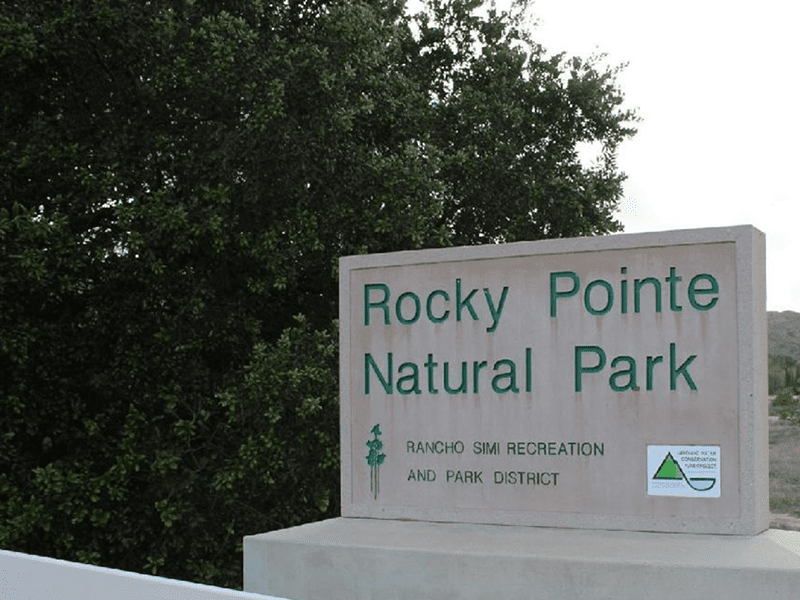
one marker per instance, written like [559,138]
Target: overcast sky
[716,86]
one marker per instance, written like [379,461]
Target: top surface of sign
[540,383]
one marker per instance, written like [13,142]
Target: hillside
[784,333]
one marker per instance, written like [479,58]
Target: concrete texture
[28,577]
[356,559]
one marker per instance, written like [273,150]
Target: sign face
[612,382]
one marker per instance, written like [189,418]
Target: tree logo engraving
[375,459]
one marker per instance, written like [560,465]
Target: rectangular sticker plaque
[687,471]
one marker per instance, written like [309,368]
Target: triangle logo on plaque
[670,470]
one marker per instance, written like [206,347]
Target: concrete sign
[610,383]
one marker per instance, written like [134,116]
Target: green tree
[787,405]
[177,181]
[783,373]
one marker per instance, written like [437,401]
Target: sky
[716,87]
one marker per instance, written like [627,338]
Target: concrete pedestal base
[351,559]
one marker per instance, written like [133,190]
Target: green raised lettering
[623,292]
[528,369]
[430,365]
[580,369]
[412,378]
[681,370]
[652,361]
[476,369]
[555,294]
[368,304]
[630,372]
[673,280]
[511,376]
[429,306]
[464,303]
[386,382]
[587,297]
[638,284]
[398,306]
[462,387]
[694,291]
[495,311]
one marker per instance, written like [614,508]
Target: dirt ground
[784,475]
[785,522]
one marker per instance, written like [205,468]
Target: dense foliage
[784,372]
[786,405]
[177,181]
[784,333]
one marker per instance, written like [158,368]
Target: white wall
[26,577]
